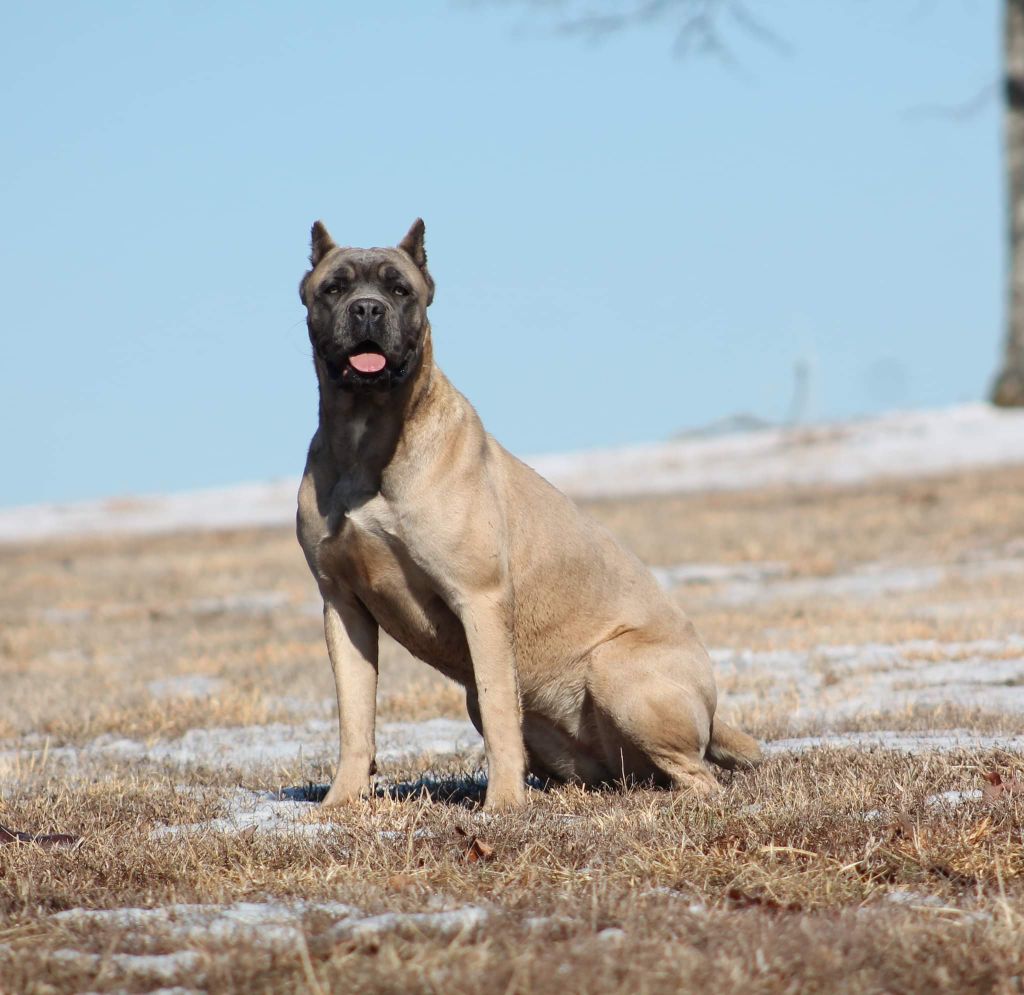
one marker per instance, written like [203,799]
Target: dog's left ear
[412,246]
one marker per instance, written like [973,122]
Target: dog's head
[366,310]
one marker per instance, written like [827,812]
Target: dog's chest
[369,553]
[376,519]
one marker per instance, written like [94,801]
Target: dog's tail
[732,749]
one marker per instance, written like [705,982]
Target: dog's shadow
[461,790]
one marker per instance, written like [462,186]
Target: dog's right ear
[320,243]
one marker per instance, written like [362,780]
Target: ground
[168,699]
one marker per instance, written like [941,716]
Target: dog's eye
[400,291]
[332,289]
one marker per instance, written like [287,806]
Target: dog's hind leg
[733,749]
[654,703]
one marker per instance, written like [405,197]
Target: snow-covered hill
[902,444]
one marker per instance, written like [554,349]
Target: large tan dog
[576,665]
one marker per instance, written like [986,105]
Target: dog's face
[366,310]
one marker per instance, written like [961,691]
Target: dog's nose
[366,311]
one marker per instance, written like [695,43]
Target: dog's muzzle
[365,365]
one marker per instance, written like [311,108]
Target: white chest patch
[356,427]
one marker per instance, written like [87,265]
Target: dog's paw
[345,794]
[504,800]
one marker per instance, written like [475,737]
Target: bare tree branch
[758,29]
[702,27]
[964,111]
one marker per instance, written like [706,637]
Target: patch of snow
[901,897]
[239,506]
[249,603]
[249,746]
[137,967]
[716,573]
[282,812]
[951,799]
[900,444]
[440,924]
[266,811]
[64,616]
[829,682]
[663,891]
[548,924]
[756,582]
[868,582]
[185,686]
[245,746]
[398,740]
[276,925]
[900,742]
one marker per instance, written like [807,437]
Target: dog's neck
[362,432]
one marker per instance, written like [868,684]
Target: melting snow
[829,682]
[278,926]
[442,924]
[249,746]
[954,798]
[268,811]
[901,444]
[138,967]
[185,686]
[901,742]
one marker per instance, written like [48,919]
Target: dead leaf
[479,850]
[997,786]
[741,900]
[903,827]
[46,840]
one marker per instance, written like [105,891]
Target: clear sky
[624,244]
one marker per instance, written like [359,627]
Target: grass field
[168,699]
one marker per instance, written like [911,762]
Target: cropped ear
[413,243]
[320,243]
[412,246]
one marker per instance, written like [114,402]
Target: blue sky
[625,245]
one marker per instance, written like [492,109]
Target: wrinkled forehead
[366,265]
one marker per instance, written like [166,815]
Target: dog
[576,665]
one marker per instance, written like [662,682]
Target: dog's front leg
[352,644]
[494,670]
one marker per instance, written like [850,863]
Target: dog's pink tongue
[367,362]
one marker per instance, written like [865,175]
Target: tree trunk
[1008,390]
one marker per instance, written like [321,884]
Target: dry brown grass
[831,870]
